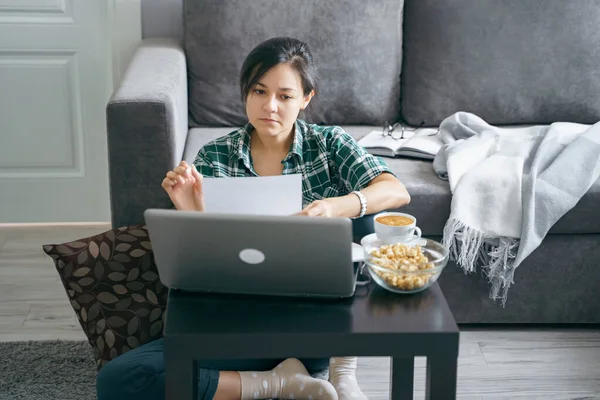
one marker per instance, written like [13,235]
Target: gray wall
[162,18]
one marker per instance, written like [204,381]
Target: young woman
[340,179]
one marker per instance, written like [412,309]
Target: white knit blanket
[509,186]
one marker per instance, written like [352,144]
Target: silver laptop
[251,254]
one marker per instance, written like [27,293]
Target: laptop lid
[253,254]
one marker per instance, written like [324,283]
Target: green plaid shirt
[331,162]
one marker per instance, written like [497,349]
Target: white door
[55,81]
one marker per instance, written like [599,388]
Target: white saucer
[373,240]
[358,253]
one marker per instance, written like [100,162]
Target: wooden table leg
[181,377]
[402,372]
[440,383]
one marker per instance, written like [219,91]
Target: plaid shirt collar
[243,152]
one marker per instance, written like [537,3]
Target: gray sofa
[509,62]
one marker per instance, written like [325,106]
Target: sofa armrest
[147,123]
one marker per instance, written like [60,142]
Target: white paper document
[261,195]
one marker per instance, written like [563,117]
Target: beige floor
[493,364]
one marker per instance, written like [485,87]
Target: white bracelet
[363,204]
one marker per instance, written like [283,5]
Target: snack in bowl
[405,268]
[400,257]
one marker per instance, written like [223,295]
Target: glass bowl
[404,267]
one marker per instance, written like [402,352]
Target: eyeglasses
[390,130]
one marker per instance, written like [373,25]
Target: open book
[421,143]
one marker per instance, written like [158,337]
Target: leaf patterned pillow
[113,286]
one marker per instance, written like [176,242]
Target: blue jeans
[140,373]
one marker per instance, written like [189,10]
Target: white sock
[289,380]
[342,374]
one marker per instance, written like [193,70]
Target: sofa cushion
[198,137]
[113,285]
[357,47]
[430,195]
[510,62]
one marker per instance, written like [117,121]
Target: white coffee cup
[391,234]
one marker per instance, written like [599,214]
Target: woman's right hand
[184,187]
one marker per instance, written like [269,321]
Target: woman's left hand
[318,208]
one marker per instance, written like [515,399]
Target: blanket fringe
[470,247]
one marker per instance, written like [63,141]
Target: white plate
[358,253]
[374,241]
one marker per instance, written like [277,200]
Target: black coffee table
[373,323]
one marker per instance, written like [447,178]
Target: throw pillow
[357,46]
[113,285]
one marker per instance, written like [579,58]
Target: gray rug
[51,370]
[43,370]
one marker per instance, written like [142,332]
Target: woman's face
[274,103]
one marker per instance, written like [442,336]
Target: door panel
[55,80]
